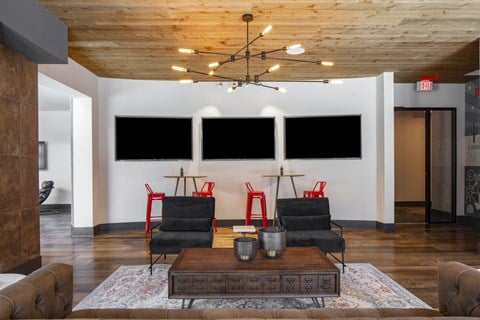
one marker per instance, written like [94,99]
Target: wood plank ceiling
[138,39]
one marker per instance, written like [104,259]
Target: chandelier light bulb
[211,73]
[214,64]
[183,50]
[326,63]
[185,81]
[181,69]
[336,81]
[274,68]
[266,30]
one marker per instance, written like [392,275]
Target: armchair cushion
[172,242]
[186,224]
[325,240]
[296,223]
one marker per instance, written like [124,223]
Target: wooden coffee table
[210,273]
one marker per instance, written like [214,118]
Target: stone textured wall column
[19,208]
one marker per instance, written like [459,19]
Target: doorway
[425,165]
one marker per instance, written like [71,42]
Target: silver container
[272,242]
[245,248]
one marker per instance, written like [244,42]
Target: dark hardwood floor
[410,256]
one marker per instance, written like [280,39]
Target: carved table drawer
[253,288]
[291,279]
[327,284]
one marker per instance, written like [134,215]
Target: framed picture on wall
[42,155]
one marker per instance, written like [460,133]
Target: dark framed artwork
[42,155]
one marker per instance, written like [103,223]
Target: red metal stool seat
[317,191]
[256,194]
[151,195]
[207,191]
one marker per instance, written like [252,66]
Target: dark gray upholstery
[186,223]
[308,224]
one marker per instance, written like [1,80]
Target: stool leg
[264,212]
[248,213]
[148,215]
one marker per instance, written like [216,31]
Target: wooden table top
[185,176]
[223,260]
[275,175]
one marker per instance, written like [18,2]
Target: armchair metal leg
[342,261]
[153,262]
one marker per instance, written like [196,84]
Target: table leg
[195,184]
[190,303]
[184,186]
[317,304]
[275,206]
[176,186]
[293,185]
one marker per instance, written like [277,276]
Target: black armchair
[186,223]
[45,190]
[308,224]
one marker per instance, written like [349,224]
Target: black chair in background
[45,190]
[187,222]
[308,224]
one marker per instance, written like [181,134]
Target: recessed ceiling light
[294,51]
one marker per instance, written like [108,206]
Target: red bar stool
[317,191]
[207,191]
[255,194]
[151,195]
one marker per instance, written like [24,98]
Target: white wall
[385,196]
[442,96]
[89,200]
[54,127]
[351,183]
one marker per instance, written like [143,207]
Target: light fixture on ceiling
[245,54]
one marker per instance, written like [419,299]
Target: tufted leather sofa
[48,293]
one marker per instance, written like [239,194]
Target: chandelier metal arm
[265,86]
[212,53]
[214,75]
[290,59]
[261,74]
[233,58]
[239,82]
[248,44]
[263,53]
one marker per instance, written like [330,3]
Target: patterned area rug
[362,285]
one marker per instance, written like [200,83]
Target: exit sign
[424,85]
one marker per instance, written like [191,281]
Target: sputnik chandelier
[245,54]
